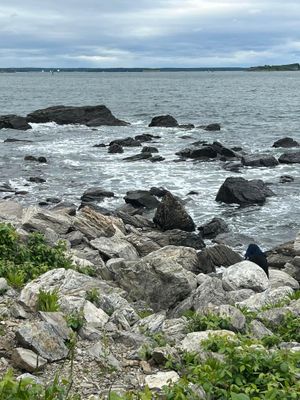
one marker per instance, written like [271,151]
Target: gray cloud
[101,33]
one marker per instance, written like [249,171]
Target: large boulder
[213,228]
[290,158]
[269,297]
[245,275]
[37,219]
[281,278]
[14,122]
[115,247]
[243,192]
[85,115]
[286,142]
[170,214]
[210,291]
[164,121]
[126,142]
[141,198]
[161,282]
[220,255]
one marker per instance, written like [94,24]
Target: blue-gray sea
[254,109]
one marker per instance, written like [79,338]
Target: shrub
[21,262]
[48,301]
[75,320]
[198,322]
[288,330]
[93,296]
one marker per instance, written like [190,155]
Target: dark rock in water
[243,192]
[138,221]
[213,228]
[146,137]
[14,122]
[171,214]
[259,160]
[157,158]
[186,137]
[30,158]
[37,179]
[138,157]
[42,160]
[100,145]
[130,209]
[85,115]
[286,179]
[206,151]
[43,203]
[141,198]
[66,207]
[12,140]
[213,127]
[286,142]
[21,192]
[186,126]
[127,142]
[192,192]
[158,191]
[53,200]
[149,149]
[95,194]
[221,255]
[164,121]
[233,166]
[290,158]
[5,187]
[115,149]
[223,151]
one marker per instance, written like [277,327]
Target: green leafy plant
[93,296]
[21,262]
[48,301]
[75,320]
[288,330]
[198,322]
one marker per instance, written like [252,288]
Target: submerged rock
[286,142]
[290,158]
[126,142]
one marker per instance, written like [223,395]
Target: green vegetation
[288,330]
[48,301]
[75,320]
[22,262]
[93,296]
[199,322]
[285,67]
[27,389]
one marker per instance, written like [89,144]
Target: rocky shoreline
[132,282]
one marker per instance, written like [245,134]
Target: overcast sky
[148,33]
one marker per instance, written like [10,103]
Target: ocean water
[254,109]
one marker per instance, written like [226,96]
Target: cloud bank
[157,33]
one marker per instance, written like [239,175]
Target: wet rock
[245,275]
[43,339]
[146,137]
[286,142]
[141,198]
[233,166]
[12,121]
[138,157]
[27,360]
[96,194]
[243,192]
[213,228]
[156,158]
[290,158]
[259,160]
[42,160]
[286,179]
[126,142]
[164,121]
[30,158]
[170,214]
[100,145]
[115,148]
[197,153]
[149,149]
[213,127]
[14,140]
[86,115]
[36,179]
[158,191]
[187,126]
